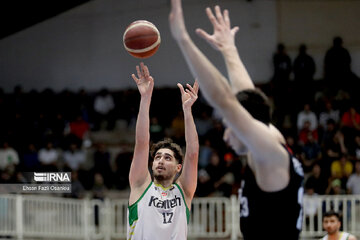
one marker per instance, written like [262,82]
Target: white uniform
[343,236]
[159,214]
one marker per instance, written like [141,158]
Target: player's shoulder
[351,237]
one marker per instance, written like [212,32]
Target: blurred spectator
[342,169]
[177,129]
[311,153]
[73,157]
[83,104]
[205,153]
[336,147]
[282,66]
[65,104]
[350,124]
[58,124]
[17,100]
[356,150]
[77,189]
[307,134]
[215,136]
[280,81]
[103,110]
[204,187]
[351,119]
[328,133]
[156,130]
[304,70]
[353,183]
[307,115]
[79,127]
[293,145]
[335,188]
[311,205]
[48,157]
[9,157]
[122,168]
[317,180]
[337,64]
[216,171]
[203,124]
[30,158]
[328,113]
[102,164]
[98,192]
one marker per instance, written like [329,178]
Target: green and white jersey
[159,214]
[343,236]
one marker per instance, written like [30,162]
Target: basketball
[141,39]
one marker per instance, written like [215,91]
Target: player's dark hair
[169,144]
[332,213]
[256,103]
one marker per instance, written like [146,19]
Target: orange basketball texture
[141,39]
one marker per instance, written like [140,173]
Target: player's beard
[162,177]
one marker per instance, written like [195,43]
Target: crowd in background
[52,131]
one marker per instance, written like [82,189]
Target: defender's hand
[223,35]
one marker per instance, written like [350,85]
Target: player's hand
[189,95]
[176,21]
[144,81]
[223,35]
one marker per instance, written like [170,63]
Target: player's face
[233,141]
[165,166]
[331,224]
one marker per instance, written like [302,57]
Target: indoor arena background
[68,104]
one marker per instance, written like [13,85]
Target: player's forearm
[213,84]
[142,134]
[191,136]
[239,77]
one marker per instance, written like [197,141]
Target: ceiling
[16,15]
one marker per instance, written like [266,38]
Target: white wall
[83,47]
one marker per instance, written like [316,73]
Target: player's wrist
[228,49]
[186,109]
[146,97]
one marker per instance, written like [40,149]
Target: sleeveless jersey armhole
[133,213]
[187,209]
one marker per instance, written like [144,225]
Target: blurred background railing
[30,216]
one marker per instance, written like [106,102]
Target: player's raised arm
[214,85]
[139,174]
[258,137]
[223,40]
[188,178]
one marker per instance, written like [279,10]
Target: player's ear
[178,167]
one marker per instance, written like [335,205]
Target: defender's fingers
[211,17]
[227,18]
[219,16]
[234,30]
[202,33]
